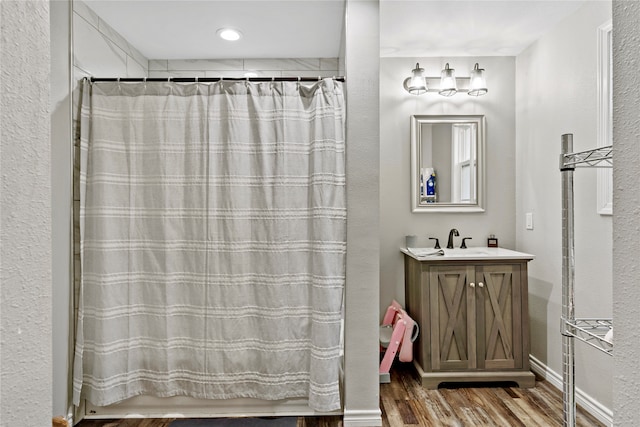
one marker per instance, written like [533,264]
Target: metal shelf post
[568,277]
[590,331]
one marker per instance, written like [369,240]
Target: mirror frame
[416,124]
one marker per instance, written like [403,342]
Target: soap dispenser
[492,241]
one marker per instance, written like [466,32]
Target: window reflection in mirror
[447,163]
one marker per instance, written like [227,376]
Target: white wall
[556,94]
[396,108]
[25,221]
[626,216]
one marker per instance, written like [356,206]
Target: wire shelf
[599,157]
[591,331]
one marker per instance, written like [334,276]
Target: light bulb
[229,34]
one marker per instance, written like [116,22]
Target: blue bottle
[430,187]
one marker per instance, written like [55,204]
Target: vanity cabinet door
[452,318]
[499,316]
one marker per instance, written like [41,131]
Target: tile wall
[99,51]
[285,67]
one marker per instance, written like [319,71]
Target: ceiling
[466,28]
[186,29]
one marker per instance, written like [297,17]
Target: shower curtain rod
[210,79]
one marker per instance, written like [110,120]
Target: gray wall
[396,108]
[25,221]
[61,166]
[362,291]
[626,215]
[556,94]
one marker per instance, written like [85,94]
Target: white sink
[475,253]
[457,252]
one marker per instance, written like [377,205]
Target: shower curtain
[212,228]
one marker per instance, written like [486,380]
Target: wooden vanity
[472,309]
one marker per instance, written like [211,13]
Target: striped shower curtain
[212,241]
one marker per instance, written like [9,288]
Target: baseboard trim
[588,403]
[360,418]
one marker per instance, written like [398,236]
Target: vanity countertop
[472,253]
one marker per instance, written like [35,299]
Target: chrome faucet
[453,232]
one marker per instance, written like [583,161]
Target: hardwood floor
[405,403]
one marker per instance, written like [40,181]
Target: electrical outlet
[529,220]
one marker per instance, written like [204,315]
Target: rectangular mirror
[447,163]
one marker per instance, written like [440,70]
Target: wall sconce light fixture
[448,86]
[418,83]
[477,82]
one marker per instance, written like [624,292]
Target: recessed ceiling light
[229,34]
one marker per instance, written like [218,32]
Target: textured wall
[626,214]
[396,107]
[363,157]
[25,227]
[556,94]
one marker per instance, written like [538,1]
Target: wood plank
[391,410]
[520,414]
[406,412]
[544,404]
[395,389]
[459,406]
[464,409]
[420,412]
[534,415]
[496,410]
